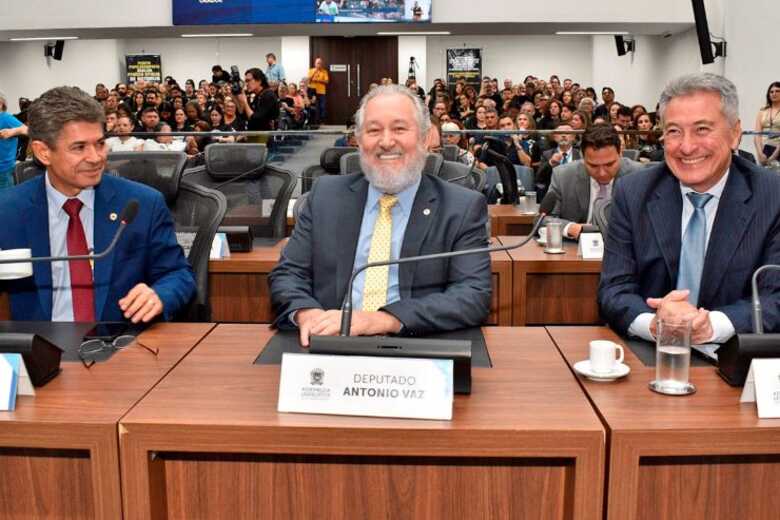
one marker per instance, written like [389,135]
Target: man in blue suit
[73,209]
[686,236]
[341,224]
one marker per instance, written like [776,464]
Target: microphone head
[129,212]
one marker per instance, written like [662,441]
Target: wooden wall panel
[246,486]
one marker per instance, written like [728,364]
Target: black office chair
[507,177]
[195,209]
[631,154]
[330,164]
[257,193]
[26,170]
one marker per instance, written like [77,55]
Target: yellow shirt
[318,80]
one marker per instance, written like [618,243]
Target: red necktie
[80,270]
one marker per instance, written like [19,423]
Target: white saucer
[541,241]
[619,370]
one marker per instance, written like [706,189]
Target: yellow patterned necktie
[375,287]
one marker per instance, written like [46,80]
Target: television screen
[373,10]
[217,12]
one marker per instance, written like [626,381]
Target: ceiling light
[413,33]
[217,35]
[589,33]
[41,38]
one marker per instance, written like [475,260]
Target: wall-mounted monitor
[220,12]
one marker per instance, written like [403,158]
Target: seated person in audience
[164,142]
[122,141]
[608,96]
[390,210]
[526,147]
[576,187]
[686,236]
[150,121]
[72,210]
[563,153]
[111,117]
[459,140]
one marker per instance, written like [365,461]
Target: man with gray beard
[389,211]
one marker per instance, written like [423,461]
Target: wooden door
[353,64]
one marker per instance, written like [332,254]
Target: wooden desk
[524,444]
[59,452]
[553,289]
[506,219]
[238,286]
[701,456]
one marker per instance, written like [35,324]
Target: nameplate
[591,246]
[762,386]
[371,386]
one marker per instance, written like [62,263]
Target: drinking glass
[673,358]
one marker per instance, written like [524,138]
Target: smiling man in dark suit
[685,236]
[73,208]
[390,210]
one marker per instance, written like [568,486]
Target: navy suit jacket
[316,264]
[642,252]
[147,251]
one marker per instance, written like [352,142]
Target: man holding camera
[259,103]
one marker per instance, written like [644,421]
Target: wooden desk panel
[524,444]
[58,450]
[507,220]
[238,286]
[553,289]
[701,456]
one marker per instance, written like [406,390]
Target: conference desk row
[194,433]
[530,287]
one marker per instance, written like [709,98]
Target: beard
[390,181]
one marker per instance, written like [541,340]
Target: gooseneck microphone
[126,217]
[758,321]
[346,308]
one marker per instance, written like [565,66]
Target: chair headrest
[227,160]
[330,158]
[433,162]
[161,170]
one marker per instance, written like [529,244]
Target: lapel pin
[112,216]
[426,212]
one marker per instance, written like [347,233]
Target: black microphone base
[457,350]
[735,355]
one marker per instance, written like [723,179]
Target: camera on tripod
[235,80]
[412,68]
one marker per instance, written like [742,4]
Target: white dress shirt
[62,298]
[722,328]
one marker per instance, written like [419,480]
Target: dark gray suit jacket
[570,189]
[642,250]
[315,266]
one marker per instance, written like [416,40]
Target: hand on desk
[141,304]
[317,322]
[675,307]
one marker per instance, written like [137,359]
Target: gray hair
[703,82]
[56,107]
[420,112]
[3,103]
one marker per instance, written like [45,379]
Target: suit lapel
[665,212]
[37,216]
[104,229]
[731,223]
[424,212]
[348,228]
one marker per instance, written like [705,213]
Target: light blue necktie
[694,246]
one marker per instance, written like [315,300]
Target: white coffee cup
[602,356]
[543,234]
